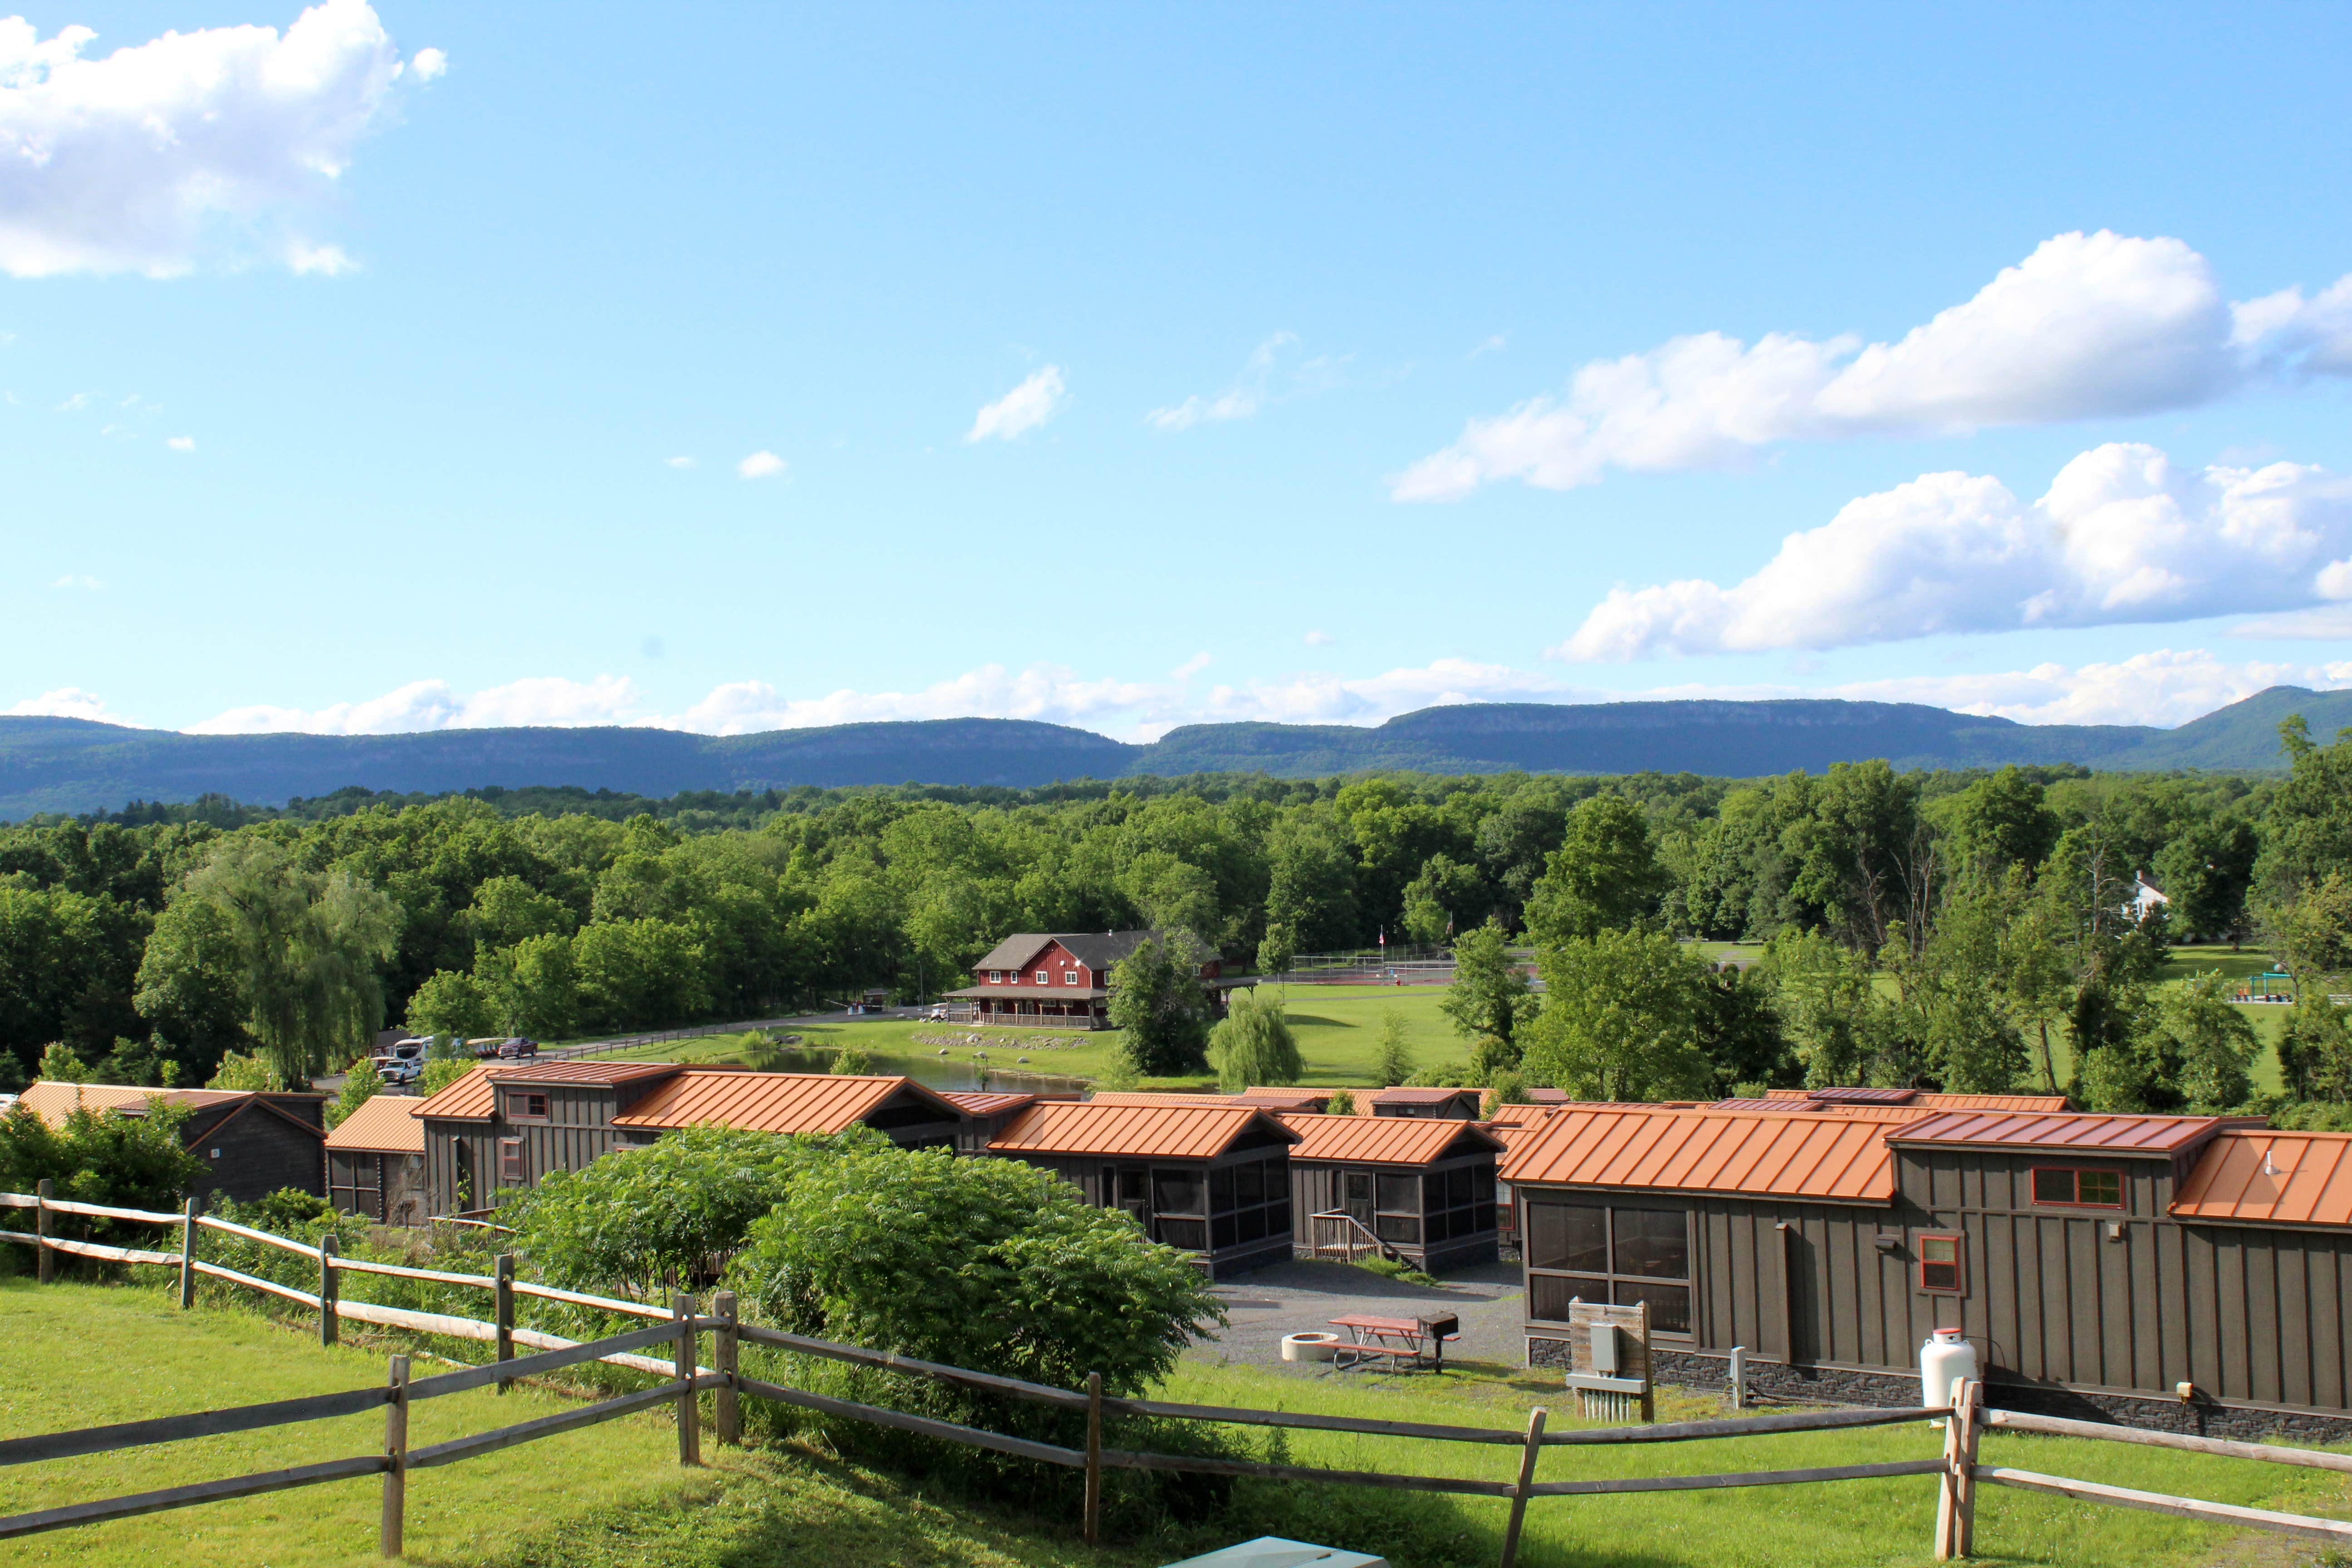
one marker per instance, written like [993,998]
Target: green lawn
[612,1495]
[1338,1033]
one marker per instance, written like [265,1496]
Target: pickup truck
[506,1048]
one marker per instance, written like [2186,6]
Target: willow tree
[1253,1045]
[299,951]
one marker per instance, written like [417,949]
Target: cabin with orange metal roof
[1417,1189]
[503,1127]
[2099,1264]
[251,1143]
[1211,1178]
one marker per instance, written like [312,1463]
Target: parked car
[517,1049]
[400,1070]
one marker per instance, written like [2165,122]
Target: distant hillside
[74,765]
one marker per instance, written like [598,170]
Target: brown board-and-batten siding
[253,1150]
[576,1132]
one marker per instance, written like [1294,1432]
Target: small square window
[1043,978]
[1939,1263]
[1069,977]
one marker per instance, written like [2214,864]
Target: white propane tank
[1945,1358]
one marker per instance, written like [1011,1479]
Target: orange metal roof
[1382,1139]
[1132,1131]
[1402,1095]
[2143,1135]
[1148,1097]
[384,1124]
[602,1075]
[1923,1099]
[771,1102]
[1833,1158]
[2280,1177]
[983,1102]
[53,1101]
[1291,1097]
[470,1099]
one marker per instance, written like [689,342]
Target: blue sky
[748,368]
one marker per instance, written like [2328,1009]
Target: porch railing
[1341,1236]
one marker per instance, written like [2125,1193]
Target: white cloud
[428,65]
[678,462]
[1191,667]
[2122,537]
[2087,326]
[68,702]
[1316,640]
[1242,400]
[1043,691]
[92,584]
[214,144]
[76,403]
[2162,687]
[181,443]
[433,705]
[760,465]
[1022,409]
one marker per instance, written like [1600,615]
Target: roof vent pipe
[2268,1169]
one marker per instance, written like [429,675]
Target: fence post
[326,1289]
[1739,1378]
[1527,1457]
[1971,1400]
[395,1455]
[1956,1498]
[46,1265]
[727,1404]
[188,1253]
[689,1410]
[502,1294]
[1094,1458]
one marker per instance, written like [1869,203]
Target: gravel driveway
[1299,1298]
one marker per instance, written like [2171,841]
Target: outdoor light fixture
[2188,1391]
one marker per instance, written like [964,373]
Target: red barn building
[1061,980]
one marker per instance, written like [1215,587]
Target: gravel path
[1297,1297]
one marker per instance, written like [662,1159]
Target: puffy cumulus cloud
[435,705]
[1022,409]
[1318,697]
[68,702]
[214,143]
[2089,325]
[2123,536]
[1043,691]
[760,465]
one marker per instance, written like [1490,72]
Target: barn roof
[2144,1136]
[1402,1095]
[1386,1139]
[1133,1132]
[469,1098]
[1765,1153]
[773,1101]
[2271,1177]
[384,1124]
[1097,950]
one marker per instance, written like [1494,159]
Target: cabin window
[526,1108]
[1939,1263]
[996,977]
[510,1160]
[1620,1253]
[1069,977]
[2078,1189]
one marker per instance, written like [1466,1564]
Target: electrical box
[1272,1552]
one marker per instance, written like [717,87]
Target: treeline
[157,944]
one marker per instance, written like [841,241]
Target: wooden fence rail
[683,1378]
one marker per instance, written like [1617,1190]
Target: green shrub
[646,1222]
[362,1085]
[852,1059]
[100,1157]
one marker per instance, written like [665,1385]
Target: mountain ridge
[73,765]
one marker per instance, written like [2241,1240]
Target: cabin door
[1355,1196]
[1135,1193]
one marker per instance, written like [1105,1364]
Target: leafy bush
[362,1085]
[646,1222]
[986,1264]
[1506,1089]
[852,1059]
[100,1157]
[249,1072]
[439,1075]
[1341,1103]
[59,1065]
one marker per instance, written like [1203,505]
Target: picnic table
[1400,1341]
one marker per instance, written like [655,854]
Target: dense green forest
[1924,927]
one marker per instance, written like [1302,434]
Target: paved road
[1299,1298]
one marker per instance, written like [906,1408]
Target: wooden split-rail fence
[1958,1468]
